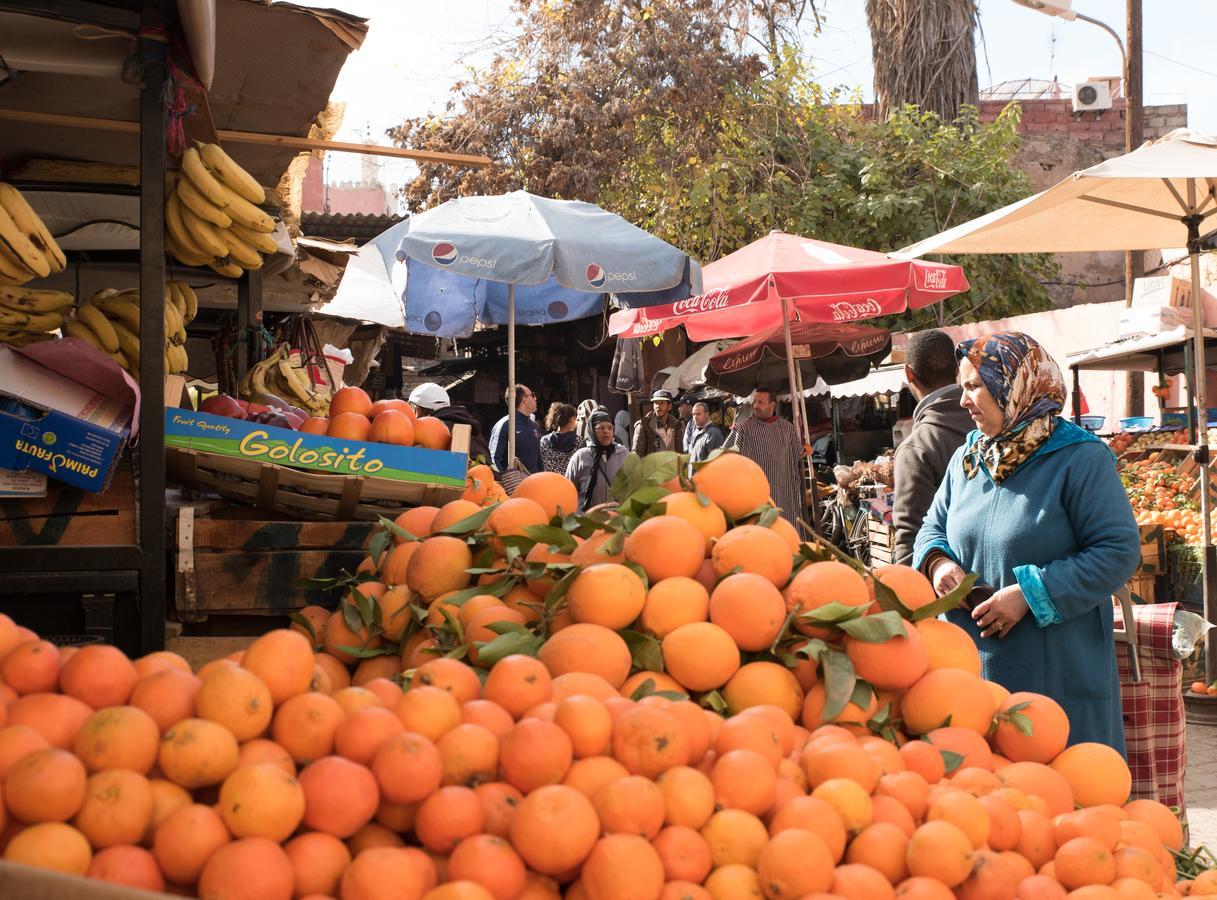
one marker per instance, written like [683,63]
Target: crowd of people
[990,479]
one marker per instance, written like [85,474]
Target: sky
[416,50]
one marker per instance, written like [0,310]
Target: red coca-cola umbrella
[784,277]
[837,353]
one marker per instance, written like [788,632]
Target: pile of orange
[354,417]
[392,749]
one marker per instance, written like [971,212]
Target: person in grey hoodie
[940,425]
[592,468]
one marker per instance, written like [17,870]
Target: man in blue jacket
[528,436]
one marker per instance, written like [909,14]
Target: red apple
[223,405]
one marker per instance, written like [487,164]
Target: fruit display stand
[229,560]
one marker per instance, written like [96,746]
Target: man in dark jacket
[939,427]
[429,399]
[658,429]
[528,436]
[706,436]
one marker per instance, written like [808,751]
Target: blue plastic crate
[1137,423]
[1093,423]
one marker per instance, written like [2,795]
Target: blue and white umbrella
[519,257]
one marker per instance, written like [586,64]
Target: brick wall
[1101,130]
[344,197]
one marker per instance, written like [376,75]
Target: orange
[1046,720]
[849,799]
[1005,827]
[735,836]
[535,753]
[588,648]
[407,768]
[589,775]
[573,683]
[734,483]
[649,740]
[949,646]
[818,584]
[1036,840]
[666,547]
[31,667]
[470,755]
[392,427]
[963,742]
[1096,773]
[305,725]
[517,683]
[1083,861]
[749,608]
[884,847]
[1040,781]
[948,693]
[908,786]
[755,550]
[167,696]
[186,840]
[1091,822]
[262,750]
[827,760]
[894,664]
[237,699]
[763,684]
[318,861]
[701,656]
[51,845]
[700,512]
[261,801]
[554,829]
[743,779]
[98,675]
[630,805]
[340,796]
[1159,817]
[438,566]
[167,798]
[852,716]
[688,797]
[132,867]
[912,588]
[46,785]
[815,815]
[283,660]
[733,882]
[432,433]
[121,737]
[451,513]
[673,602]
[512,516]
[586,722]
[794,862]
[348,426]
[57,717]
[861,882]
[608,594]
[491,862]
[489,715]
[658,682]
[351,400]
[684,853]
[554,493]
[940,850]
[622,867]
[117,808]
[965,812]
[593,550]
[458,679]
[196,753]
[429,711]
[419,521]
[250,867]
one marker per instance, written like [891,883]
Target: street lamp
[1062,9]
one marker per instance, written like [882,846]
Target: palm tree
[924,53]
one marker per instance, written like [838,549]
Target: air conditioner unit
[1091,96]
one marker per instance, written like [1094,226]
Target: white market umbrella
[1162,194]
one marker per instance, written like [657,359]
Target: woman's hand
[945,575]
[1001,612]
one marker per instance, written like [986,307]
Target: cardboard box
[66,410]
[192,430]
[20,485]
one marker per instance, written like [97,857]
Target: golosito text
[257,444]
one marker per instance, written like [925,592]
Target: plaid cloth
[1155,730]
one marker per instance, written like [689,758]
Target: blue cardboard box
[192,430]
[64,413]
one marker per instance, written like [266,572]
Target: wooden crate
[69,516]
[882,542]
[1144,587]
[250,567]
[1153,550]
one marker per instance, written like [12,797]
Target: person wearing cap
[593,467]
[429,399]
[659,429]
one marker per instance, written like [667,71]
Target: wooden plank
[117,527]
[63,500]
[259,536]
[253,583]
[249,137]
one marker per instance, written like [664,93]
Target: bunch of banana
[27,248]
[275,382]
[109,320]
[28,316]
[211,216]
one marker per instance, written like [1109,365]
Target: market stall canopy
[888,380]
[834,353]
[692,372]
[275,67]
[1140,354]
[1132,202]
[821,282]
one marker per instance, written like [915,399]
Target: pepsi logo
[433,321]
[595,275]
[444,253]
[557,310]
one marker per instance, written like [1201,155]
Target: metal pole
[1133,135]
[792,375]
[1202,431]
[511,375]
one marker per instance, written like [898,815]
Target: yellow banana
[181,360]
[198,174]
[175,228]
[121,310]
[34,301]
[240,252]
[129,342]
[30,321]
[288,377]
[190,198]
[29,221]
[93,318]
[246,214]
[12,271]
[227,269]
[204,234]
[122,360]
[192,302]
[259,240]
[78,329]
[174,329]
[20,247]
[184,256]
[231,175]
[173,295]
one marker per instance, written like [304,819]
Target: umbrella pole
[811,466]
[511,375]
[792,376]
[1200,376]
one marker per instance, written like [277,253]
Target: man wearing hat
[429,399]
[659,429]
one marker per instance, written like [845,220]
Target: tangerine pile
[354,417]
[596,763]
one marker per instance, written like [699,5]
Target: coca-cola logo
[847,312]
[707,302]
[935,279]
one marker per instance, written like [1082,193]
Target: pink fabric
[823,283]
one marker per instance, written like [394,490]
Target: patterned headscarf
[1027,385]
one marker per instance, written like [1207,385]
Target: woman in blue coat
[1033,504]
